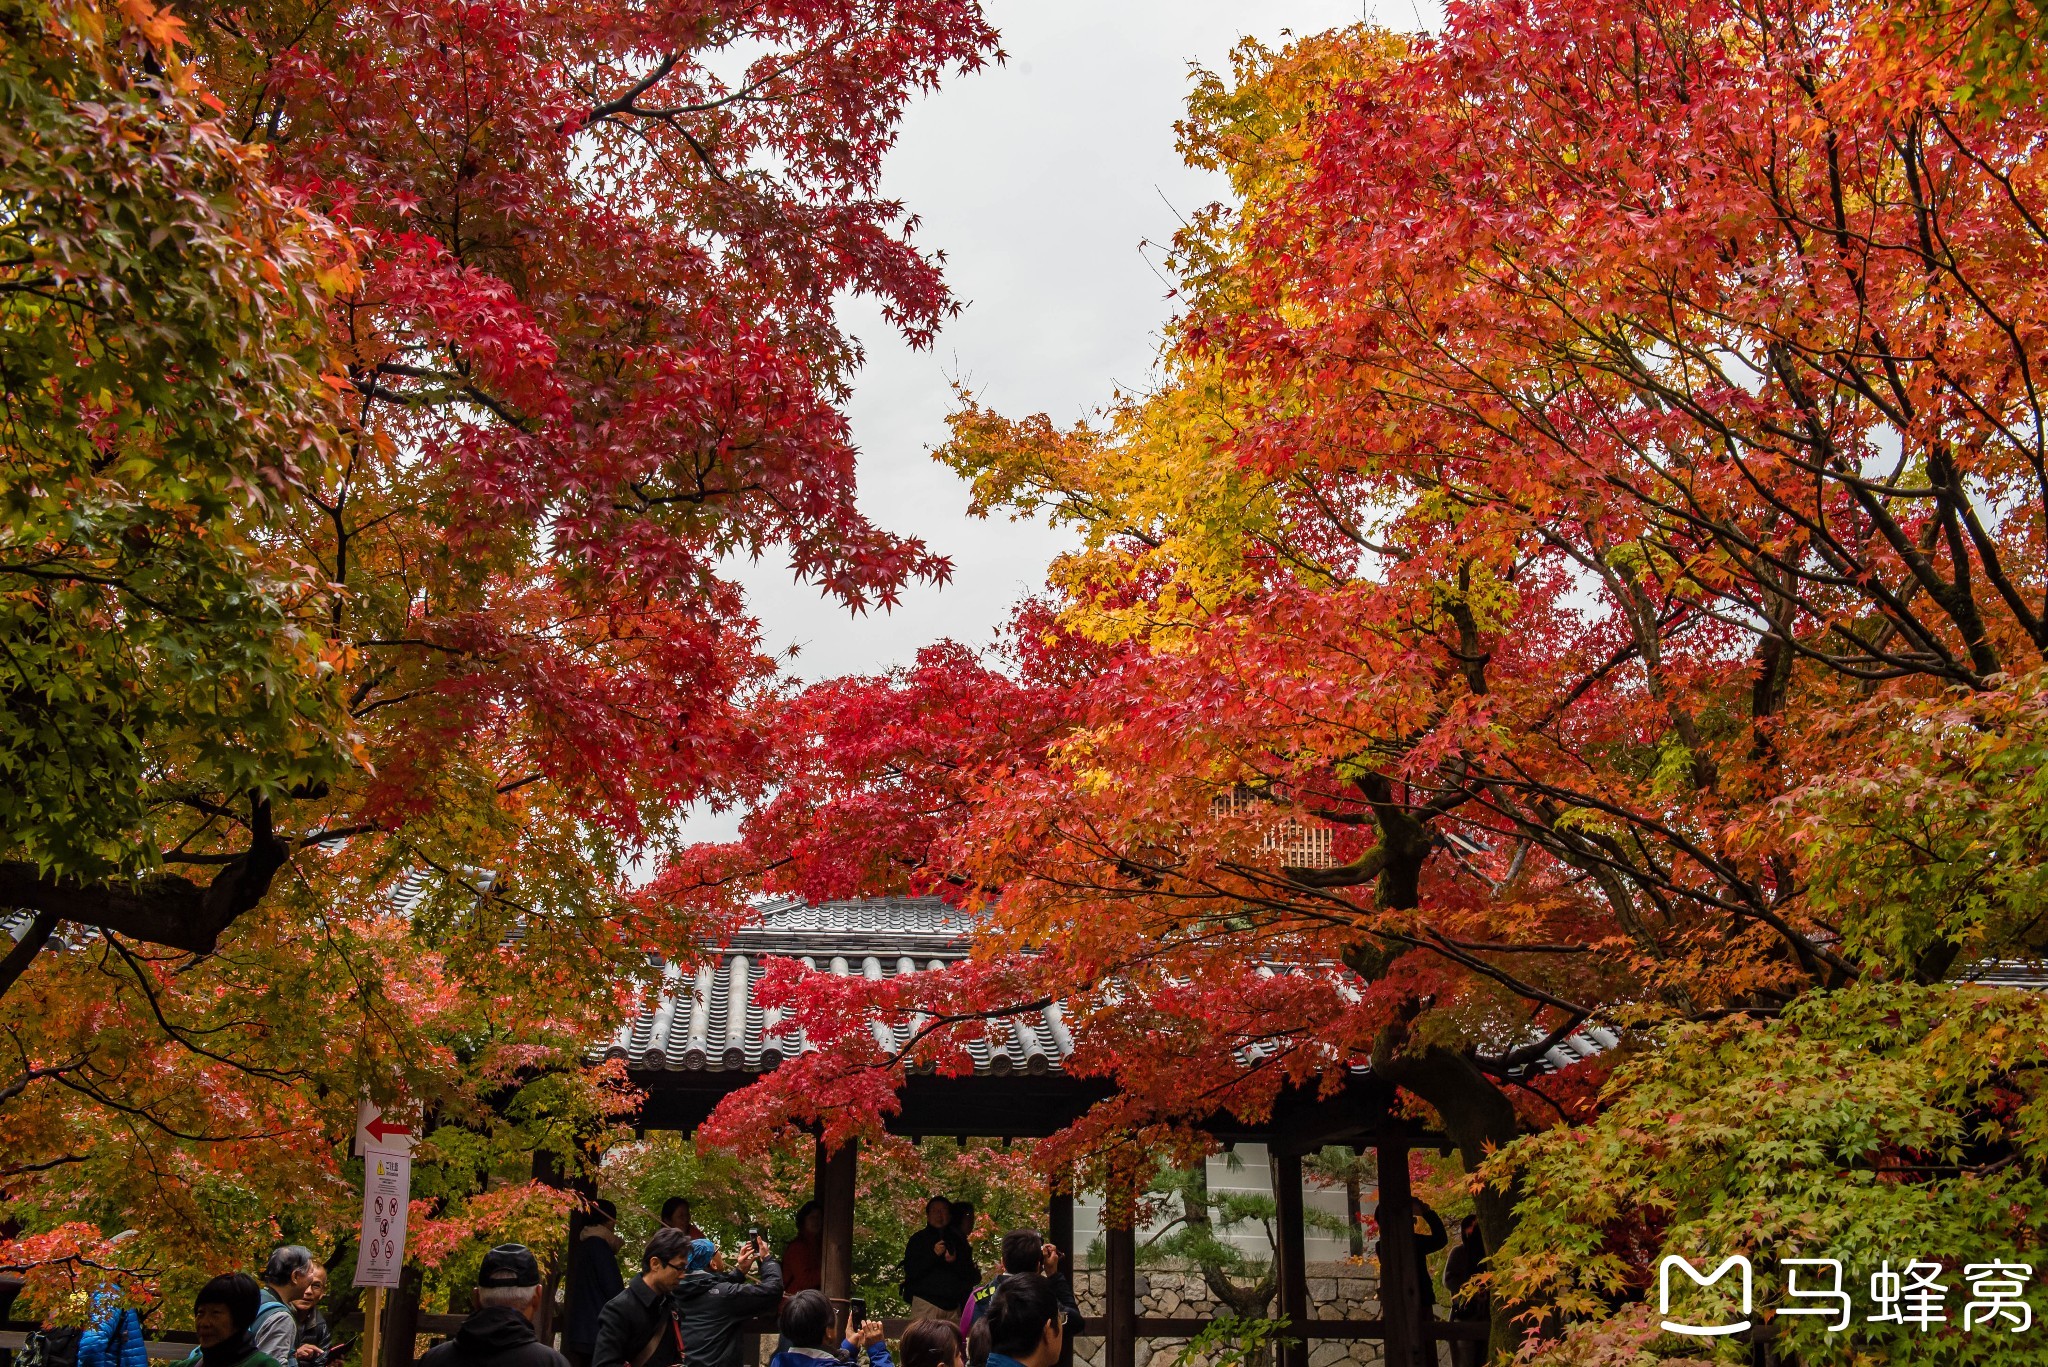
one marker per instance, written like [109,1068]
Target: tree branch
[33,938]
[163,909]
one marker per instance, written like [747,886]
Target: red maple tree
[584,337]
[1593,433]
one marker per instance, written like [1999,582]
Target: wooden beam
[1400,1287]
[1187,1326]
[1148,1327]
[1031,1105]
[1289,1254]
[1120,1298]
[836,1173]
[1337,1331]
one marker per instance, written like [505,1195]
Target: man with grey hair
[500,1332]
[285,1279]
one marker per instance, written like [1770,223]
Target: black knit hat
[509,1265]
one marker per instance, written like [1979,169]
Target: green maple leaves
[1884,1122]
[160,352]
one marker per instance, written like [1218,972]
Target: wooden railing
[170,1346]
[1148,1327]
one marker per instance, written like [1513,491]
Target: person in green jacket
[222,1314]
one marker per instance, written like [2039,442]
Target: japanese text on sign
[387,1190]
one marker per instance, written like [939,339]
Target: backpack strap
[977,1301]
[653,1345]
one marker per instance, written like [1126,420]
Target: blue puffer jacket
[878,1356]
[114,1340]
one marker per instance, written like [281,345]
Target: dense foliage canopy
[1581,565]
[385,384]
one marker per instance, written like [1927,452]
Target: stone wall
[1336,1291]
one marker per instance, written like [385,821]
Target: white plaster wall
[1245,1169]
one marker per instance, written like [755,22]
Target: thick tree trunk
[163,909]
[34,936]
[1477,1116]
[1246,1302]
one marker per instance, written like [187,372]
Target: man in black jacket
[938,1269]
[500,1332]
[637,1327]
[593,1280]
[711,1306]
[1467,1261]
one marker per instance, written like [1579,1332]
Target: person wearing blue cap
[711,1304]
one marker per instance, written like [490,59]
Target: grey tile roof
[411,889]
[886,927]
[708,1019]
[1579,1047]
[2028,973]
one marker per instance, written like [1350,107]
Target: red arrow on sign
[383,1129]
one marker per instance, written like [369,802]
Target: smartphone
[856,1315]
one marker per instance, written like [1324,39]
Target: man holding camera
[684,1306]
[711,1303]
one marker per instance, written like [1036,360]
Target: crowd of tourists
[275,1322]
[942,1282]
[690,1301]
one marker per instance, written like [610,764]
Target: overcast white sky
[1038,179]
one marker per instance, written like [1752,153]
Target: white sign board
[377,1134]
[387,1191]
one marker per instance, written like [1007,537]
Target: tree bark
[1477,1116]
[163,909]
[1247,1302]
[33,937]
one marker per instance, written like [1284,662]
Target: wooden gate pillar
[1059,1228]
[1289,1256]
[402,1319]
[836,1174]
[1120,1297]
[1400,1269]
